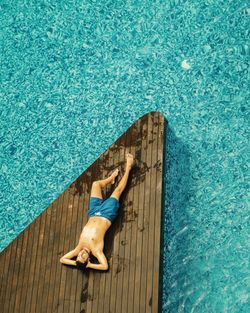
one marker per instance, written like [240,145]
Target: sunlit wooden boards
[33,279]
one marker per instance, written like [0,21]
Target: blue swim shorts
[107,208]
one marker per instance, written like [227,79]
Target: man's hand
[102,259]
[66,259]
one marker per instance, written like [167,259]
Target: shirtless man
[102,213]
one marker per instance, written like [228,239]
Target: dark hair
[81,265]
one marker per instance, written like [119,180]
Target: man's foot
[113,175]
[130,160]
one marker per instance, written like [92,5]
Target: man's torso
[93,233]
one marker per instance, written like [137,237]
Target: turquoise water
[76,74]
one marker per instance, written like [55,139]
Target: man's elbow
[105,267]
[62,260]
[102,267]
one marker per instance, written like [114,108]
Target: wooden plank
[51,258]
[19,244]
[43,250]
[153,223]
[59,269]
[18,298]
[135,227]
[68,246]
[72,275]
[65,247]
[96,276]
[26,270]
[130,222]
[105,172]
[55,235]
[159,195]
[30,265]
[83,280]
[33,279]
[146,199]
[3,284]
[141,229]
[10,275]
[121,249]
[115,269]
[54,278]
[38,262]
[91,289]
[108,239]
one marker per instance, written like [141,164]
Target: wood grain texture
[33,279]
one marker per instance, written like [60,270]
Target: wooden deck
[33,279]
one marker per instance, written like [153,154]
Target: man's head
[83,256]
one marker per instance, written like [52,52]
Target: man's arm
[102,260]
[66,258]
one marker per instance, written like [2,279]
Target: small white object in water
[185,65]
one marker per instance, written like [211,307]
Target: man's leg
[96,190]
[123,182]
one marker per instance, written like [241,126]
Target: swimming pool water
[76,74]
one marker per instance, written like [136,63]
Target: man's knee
[96,184]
